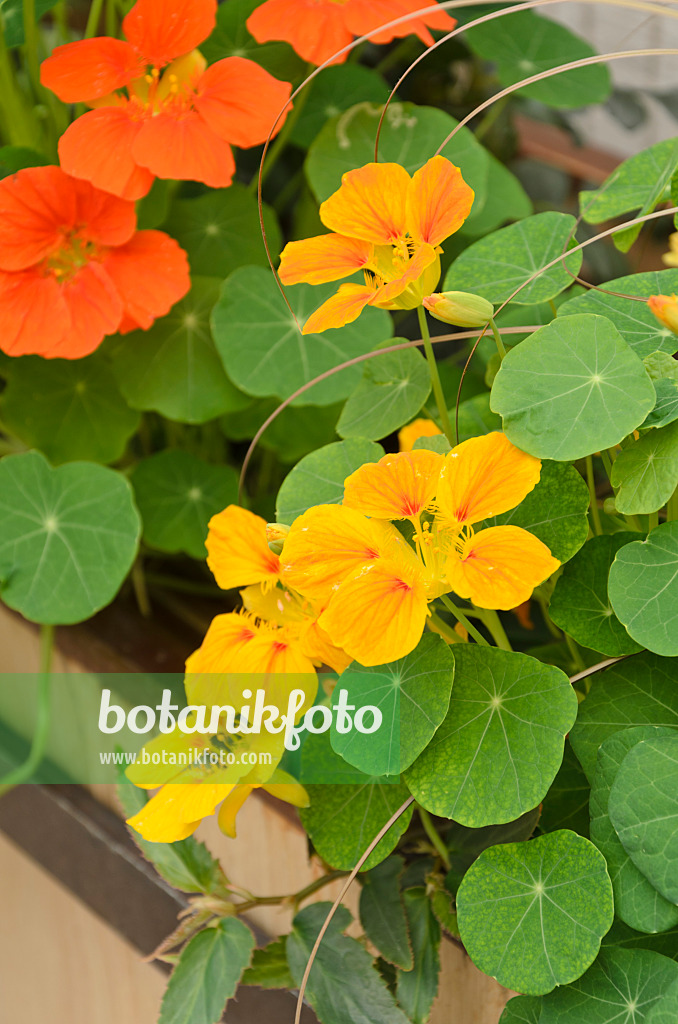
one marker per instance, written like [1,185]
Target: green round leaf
[580,603]
[666,408]
[645,474]
[392,391]
[665,1010]
[573,388]
[410,135]
[230,38]
[220,231]
[412,694]
[643,808]
[523,44]
[638,326]
[68,537]
[71,409]
[555,511]
[15,158]
[643,589]
[476,418]
[636,901]
[12,13]
[499,748]
[177,495]
[622,987]
[503,261]
[318,479]
[173,368]
[522,1010]
[264,351]
[506,200]
[336,89]
[532,914]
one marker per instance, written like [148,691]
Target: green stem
[497,337]
[31,45]
[93,18]
[111,18]
[460,617]
[432,833]
[435,376]
[490,117]
[25,771]
[576,656]
[595,514]
[550,624]
[607,462]
[140,591]
[21,127]
[281,138]
[652,521]
[493,623]
[453,637]
[156,579]
[672,507]
[553,306]
[399,54]
[294,898]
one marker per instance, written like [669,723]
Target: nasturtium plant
[644,589]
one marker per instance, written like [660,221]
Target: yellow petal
[274,604]
[275,651]
[500,567]
[371,204]
[285,787]
[230,807]
[176,811]
[414,430]
[438,201]
[320,649]
[228,635]
[378,614]
[483,477]
[323,258]
[413,279]
[398,486]
[237,549]
[340,309]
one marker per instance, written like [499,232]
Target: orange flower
[180,123]
[318,28]
[73,269]
[665,308]
[390,226]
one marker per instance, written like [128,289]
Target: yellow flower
[390,226]
[670,258]
[413,431]
[665,307]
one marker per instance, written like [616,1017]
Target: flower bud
[671,257]
[275,535]
[464,309]
[665,308]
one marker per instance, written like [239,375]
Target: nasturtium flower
[390,226]
[410,433]
[665,308]
[159,110]
[73,268]
[464,309]
[318,28]
[670,258]
[376,587]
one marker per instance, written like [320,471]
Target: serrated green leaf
[574,387]
[262,346]
[499,748]
[523,44]
[207,974]
[68,537]
[412,694]
[71,409]
[636,901]
[269,968]
[343,986]
[645,474]
[173,368]
[643,589]
[177,495]
[392,390]
[382,913]
[338,87]
[418,987]
[495,266]
[580,603]
[318,479]
[620,988]
[522,1010]
[532,914]
[230,38]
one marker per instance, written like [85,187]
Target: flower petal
[416,278]
[164,29]
[90,68]
[98,148]
[340,309]
[500,567]
[483,477]
[438,201]
[237,550]
[150,273]
[240,100]
[410,433]
[398,486]
[224,641]
[183,147]
[323,258]
[34,318]
[230,807]
[106,219]
[315,30]
[364,15]
[96,310]
[176,811]
[378,614]
[36,204]
[371,204]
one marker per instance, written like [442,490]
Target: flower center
[73,253]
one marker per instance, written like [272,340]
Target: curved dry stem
[377,839]
[600,666]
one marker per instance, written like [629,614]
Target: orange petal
[322,258]
[184,148]
[438,201]
[150,273]
[97,147]
[437,19]
[500,567]
[34,318]
[164,29]
[237,550]
[483,477]
[176,811]
[364,15]
[419,276]
[340,309]
[413,431]
[106,219]
[371,204]
[399,486]
[90,68]
[239,101]
[315,30]
[378,614]
[35,205]
[328,543]
[95,308]
[223,644]
[275,651]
